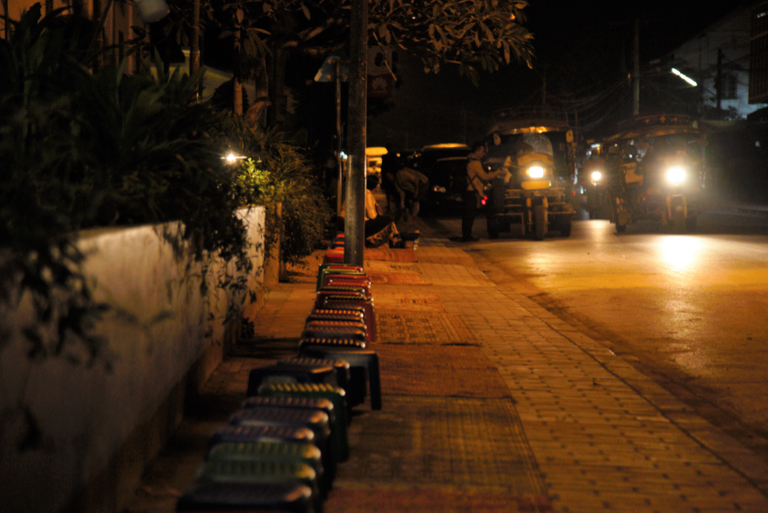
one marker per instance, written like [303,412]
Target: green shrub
[80,150]
[278,172]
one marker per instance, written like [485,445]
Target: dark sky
[576,45]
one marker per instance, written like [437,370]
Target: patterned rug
[390,254]
[438,370]
[422,454]
[416,327]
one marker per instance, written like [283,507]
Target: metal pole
[194,50]
[354,221]
[338,136]
[636,71]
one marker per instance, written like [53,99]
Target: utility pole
[636,71]
[354,220]
[194,45]
[719,83]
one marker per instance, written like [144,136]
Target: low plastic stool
[334,394]
[350,295]
[316,420]
[337,326]
[340,367]
[288,497]
[341,268]
[364,359]
[335,331]
[330,314]
[346,309]
[289,374]
[259,472]
[334,256]
[290,452]
[325,299]
[356,390]
[338,427]
[230,433]
[347,280]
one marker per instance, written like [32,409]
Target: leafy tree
[473,35]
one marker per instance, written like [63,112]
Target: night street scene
[383,256]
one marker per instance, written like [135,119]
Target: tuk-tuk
[657,168]
[535,147]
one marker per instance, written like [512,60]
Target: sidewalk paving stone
[492,403]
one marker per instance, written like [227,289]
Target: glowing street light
[232,158]
[685,77]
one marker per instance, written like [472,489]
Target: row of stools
[280,451]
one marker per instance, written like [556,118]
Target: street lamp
[232,158]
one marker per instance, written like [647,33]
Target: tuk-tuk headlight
[597,176]
[438,189]
[536,172]
[676,175]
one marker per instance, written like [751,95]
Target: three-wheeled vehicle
[656,170]
[535,147]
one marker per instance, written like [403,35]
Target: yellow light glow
[676,175]
[231,158]
[536,172]
[680,253]
[596,176]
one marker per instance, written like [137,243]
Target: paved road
[692,310]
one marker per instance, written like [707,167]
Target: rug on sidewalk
[390,254]
[438,370]
[437,453]
[412,326]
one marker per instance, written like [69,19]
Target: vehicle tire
[565,227]
[539,222]
[494,227]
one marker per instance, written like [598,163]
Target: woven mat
[414,327]
[421,444]
[390,254]
[438,370]
[404,278]
[423,500]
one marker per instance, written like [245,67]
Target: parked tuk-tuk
[656,170]
[535,147]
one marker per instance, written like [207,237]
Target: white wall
[156,333]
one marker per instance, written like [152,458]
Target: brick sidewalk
[490,404]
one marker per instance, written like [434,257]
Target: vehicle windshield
[535,143]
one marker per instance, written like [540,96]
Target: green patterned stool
[334,394]
[262,472]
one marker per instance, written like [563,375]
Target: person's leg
[470,211]
[414,211]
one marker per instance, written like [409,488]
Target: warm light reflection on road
[680,253]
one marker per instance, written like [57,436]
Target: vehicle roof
[529,119]
[657,125]
[445,146]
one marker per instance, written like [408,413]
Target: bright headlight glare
[596,176]
[536,172]
[676,175]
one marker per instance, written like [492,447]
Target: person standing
[412,188]
[476,180]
